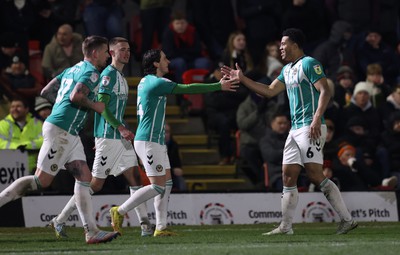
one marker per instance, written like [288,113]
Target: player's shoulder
[109,70]
[307,60]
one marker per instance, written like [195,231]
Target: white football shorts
[154,157]
[59,147]
[300,149]
[113,157]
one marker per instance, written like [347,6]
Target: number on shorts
[310,154]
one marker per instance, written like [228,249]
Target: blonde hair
[230,47]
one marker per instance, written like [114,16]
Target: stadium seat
[196,101]
[35,61]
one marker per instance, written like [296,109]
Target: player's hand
[232,73]
[315,129]
[228,84]
[126,133]
[99,107]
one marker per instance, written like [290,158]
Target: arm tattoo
[82,91]
[50,91]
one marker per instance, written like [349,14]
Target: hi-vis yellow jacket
[12,136]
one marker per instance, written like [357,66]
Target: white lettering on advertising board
[226,208]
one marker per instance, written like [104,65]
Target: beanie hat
[344,72]
[41,103]
[346,147]
[363,86]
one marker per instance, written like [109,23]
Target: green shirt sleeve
[196,88]
[106,114]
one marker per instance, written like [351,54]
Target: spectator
[154,19]
[64,50]
[297,15]
[215,29]
[22,83]
[252,117]
[391,105]
[220,116]
[367,145]
[182,45]
[373,50]
[380,90]
[103,18]
[178,182]
[272,62]
[338,50]
[236,52]
[255,15]
[18,17]
[20,130]
[361,106]
[353,174]
[344,85]
[271,146]
[42,108]
[391,141]
[51,14]
[8,48]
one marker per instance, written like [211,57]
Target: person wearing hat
[8,48]
[344,85]
[353,174]
[360,105]
[42,108]
[21,82]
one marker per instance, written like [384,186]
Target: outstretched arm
[198,88]
[267,91]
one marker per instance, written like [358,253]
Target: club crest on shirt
[105,80]
[94,77]
[317,69]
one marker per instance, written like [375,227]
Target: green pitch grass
[312,238]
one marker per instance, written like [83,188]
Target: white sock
[161,206]
[18,188]
[141,210]
[334,197]
[289,200]
[83,201]
[140,196]
[66,211]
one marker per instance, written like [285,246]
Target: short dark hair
[91,43]
[149,57]
[295,35]
[20,99]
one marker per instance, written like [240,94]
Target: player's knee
[158,188]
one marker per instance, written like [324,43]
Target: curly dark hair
[295,35]
[149,57]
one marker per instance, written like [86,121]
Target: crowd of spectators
[360,55]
